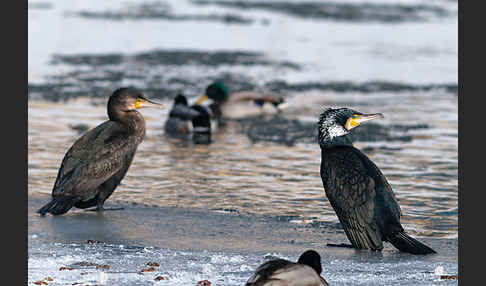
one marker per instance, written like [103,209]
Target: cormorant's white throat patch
[336,130]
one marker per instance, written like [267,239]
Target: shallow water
[266,177]
[394,57]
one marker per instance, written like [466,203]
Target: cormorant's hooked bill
[357,119]
[145,102]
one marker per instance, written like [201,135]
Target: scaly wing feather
[352,193]
[93,159]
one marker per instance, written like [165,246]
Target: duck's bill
[201,99]
[358,119]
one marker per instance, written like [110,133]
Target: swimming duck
[223,100]
[180,116]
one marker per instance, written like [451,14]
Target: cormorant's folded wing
[92,159]
[351,185]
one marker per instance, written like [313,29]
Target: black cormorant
[281,272]
[357,190]
[223,99]
[201,125]
[180,116]
[96,163]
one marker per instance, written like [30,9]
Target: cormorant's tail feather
[57,206]
[406,243]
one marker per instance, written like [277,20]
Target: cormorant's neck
[133,121]
[136,124]
[329,142]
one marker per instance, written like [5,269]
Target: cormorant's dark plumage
[179,117]
[281,272]
[357,190]
[97,162]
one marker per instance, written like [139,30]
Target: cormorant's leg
[340,245]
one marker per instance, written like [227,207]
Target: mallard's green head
[217,91]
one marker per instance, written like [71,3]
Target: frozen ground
[222,247]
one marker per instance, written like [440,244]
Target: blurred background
[396,57]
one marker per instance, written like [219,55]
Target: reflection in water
[265,177]
[75,227]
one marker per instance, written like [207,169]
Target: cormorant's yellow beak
[202,99]
[141,103]
[357,119]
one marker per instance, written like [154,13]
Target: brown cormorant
[281,272]
[180,116]
[357,190]
[223,99]
[96,163]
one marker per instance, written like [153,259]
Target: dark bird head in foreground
[97,162]
[201,125]
[281,272]
[357,190]
[311,258]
